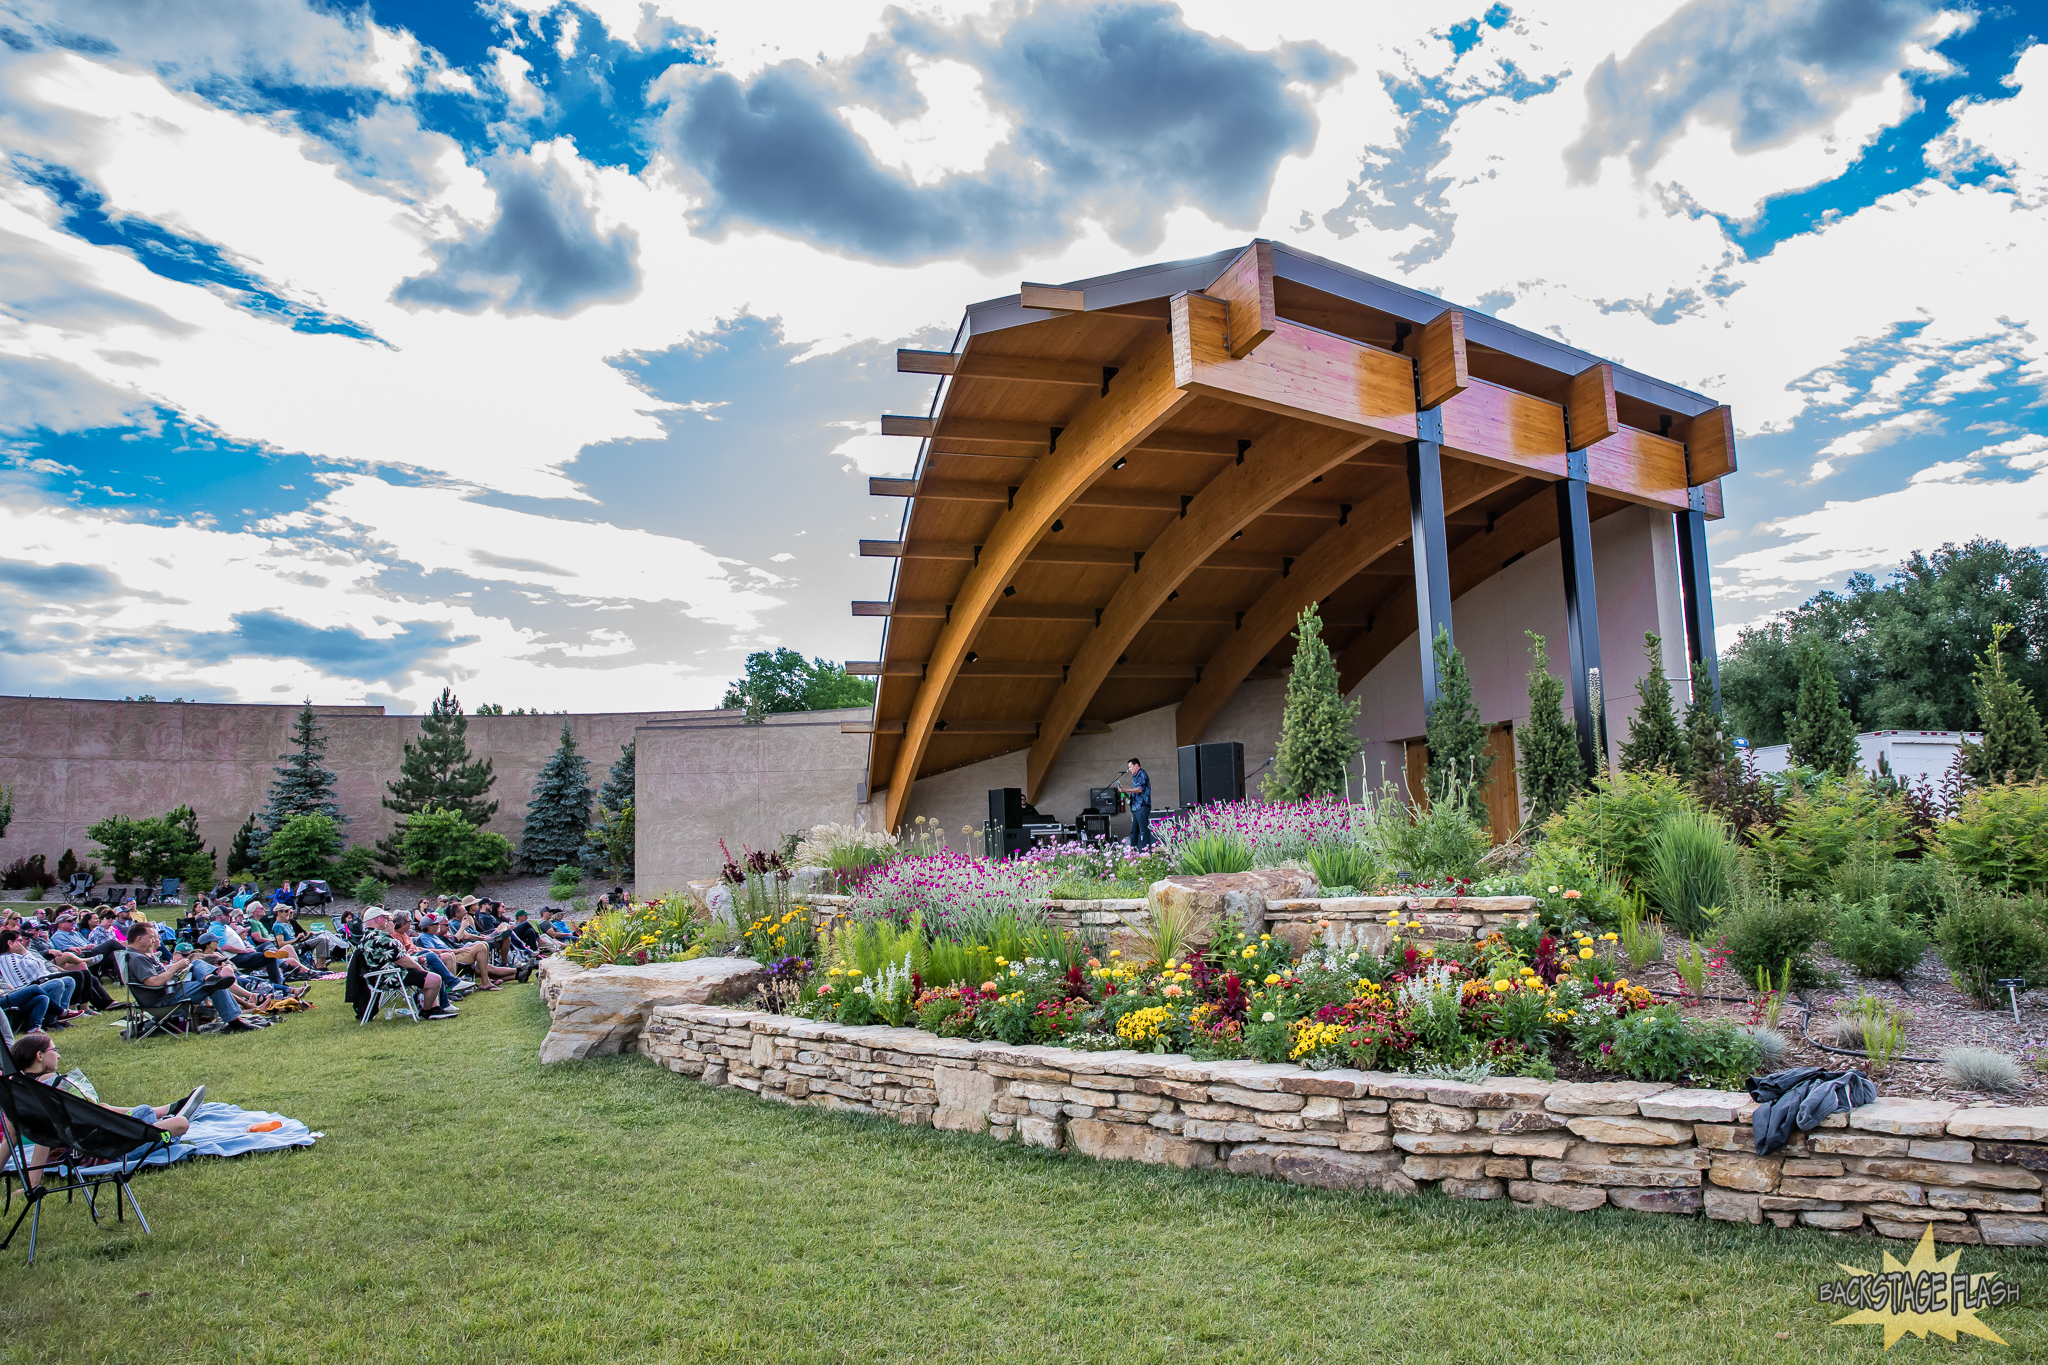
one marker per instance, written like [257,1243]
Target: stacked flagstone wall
[1887,1169]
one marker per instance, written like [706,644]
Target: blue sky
[350,350]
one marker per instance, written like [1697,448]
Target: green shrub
[1915,886]
[1440,842]
[1659,1044]
[1216,851]
[354,864]
[1824,825]
[1984,937]
[442,844]
[565,882]
[302,847]
[1617,822]
[1556,868]
[1339,862]
[1690,858]
[370,891]
[2000,836]
[1876,939]
[1764,930]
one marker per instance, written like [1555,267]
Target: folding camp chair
[144,1020]
[91,1146]
[388,991]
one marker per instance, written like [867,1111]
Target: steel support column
[1698,588]
[1427,537]
[1581,615]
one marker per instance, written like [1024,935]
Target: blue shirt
[1143,782]
[69,940]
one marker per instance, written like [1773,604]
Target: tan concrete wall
[708,777]
[68,763]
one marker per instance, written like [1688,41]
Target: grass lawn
[466,1205]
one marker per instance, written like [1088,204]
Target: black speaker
[1108,800]
[1211,772]
[1223,772]
[1006,807]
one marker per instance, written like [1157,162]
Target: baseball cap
[375,912]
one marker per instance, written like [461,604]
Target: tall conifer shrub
[558,816]
[2013,749]
[1460,758]
[1820,733]
[1318,738]
[438,770]
[303,785]
[1654,739]
[1553,769]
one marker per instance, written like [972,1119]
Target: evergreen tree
[2013,749]
[1553,769]
[558,816]
[241,853]
[615,799]
[1654,740]
[1710,750]
[303,785]
[437,770]
[1318,738]
[1460,758]
[1819,730]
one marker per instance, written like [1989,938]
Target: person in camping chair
[36,1058]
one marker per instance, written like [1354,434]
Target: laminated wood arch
[1125,489]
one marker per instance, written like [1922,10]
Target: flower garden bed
[1886,1169]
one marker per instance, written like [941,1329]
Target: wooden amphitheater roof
[1127,488]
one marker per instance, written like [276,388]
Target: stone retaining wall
[1887,1169]
[1351,920]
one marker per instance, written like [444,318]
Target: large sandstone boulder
[602,1010]
[1222,899]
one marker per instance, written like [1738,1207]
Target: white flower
[1266,1018]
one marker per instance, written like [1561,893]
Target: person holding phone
[36,1058]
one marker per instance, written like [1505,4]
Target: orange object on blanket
[269,1127]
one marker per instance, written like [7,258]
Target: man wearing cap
[245,956]
[381,950]
[69,938]
[475,955]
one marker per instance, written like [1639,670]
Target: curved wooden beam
[1272,470]
[1143,395]
[1327,565]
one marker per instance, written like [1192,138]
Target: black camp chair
[172,1018]
[91,1146]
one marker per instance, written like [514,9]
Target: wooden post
[1582,617]
[1698,589]
[1426,536]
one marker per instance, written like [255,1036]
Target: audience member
[183,978]
[36,1058]
[245,956]
[31,991]
[475,956]
[380,950]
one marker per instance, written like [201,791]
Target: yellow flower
[1612,938]
[1273,980]
[1116,952]
[1501,984]
[853,971]
[1251,952]
[1528,971]
[1265,938]
[1585,952]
